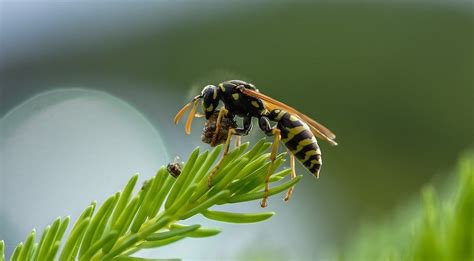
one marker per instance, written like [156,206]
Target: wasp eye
[207,89]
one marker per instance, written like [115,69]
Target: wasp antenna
[190,118]
[180,113]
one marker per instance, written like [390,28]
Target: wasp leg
[293,175]
[223,111]
[276,142]
[226,150]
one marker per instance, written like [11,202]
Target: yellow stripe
[292,132]
[280,115]
[255,104]
[294,118]
[221,85]
[314,162]
[214,95]
[303,144]
[308,154]
[235,96]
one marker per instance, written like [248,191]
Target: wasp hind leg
[293,175]
[276,142]
[226,151]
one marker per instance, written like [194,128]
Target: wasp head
[210,100]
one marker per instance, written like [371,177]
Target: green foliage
[126,222]
[443,230]
[2,250]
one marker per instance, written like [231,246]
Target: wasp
[242,99]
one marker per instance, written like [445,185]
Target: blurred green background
[393,79]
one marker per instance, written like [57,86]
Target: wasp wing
[316,128]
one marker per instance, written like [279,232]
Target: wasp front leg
[222,112]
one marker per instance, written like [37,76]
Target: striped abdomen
[299,139]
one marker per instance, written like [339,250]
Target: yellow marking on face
[255,104]
[292,132]
[235,96]
[210,108]
[221,86]
[294,118]
[214,94]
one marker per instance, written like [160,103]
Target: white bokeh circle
[64,148]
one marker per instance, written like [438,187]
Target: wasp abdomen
[299,139]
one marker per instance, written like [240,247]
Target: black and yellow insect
[295,129]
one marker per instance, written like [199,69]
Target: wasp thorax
[210,128]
